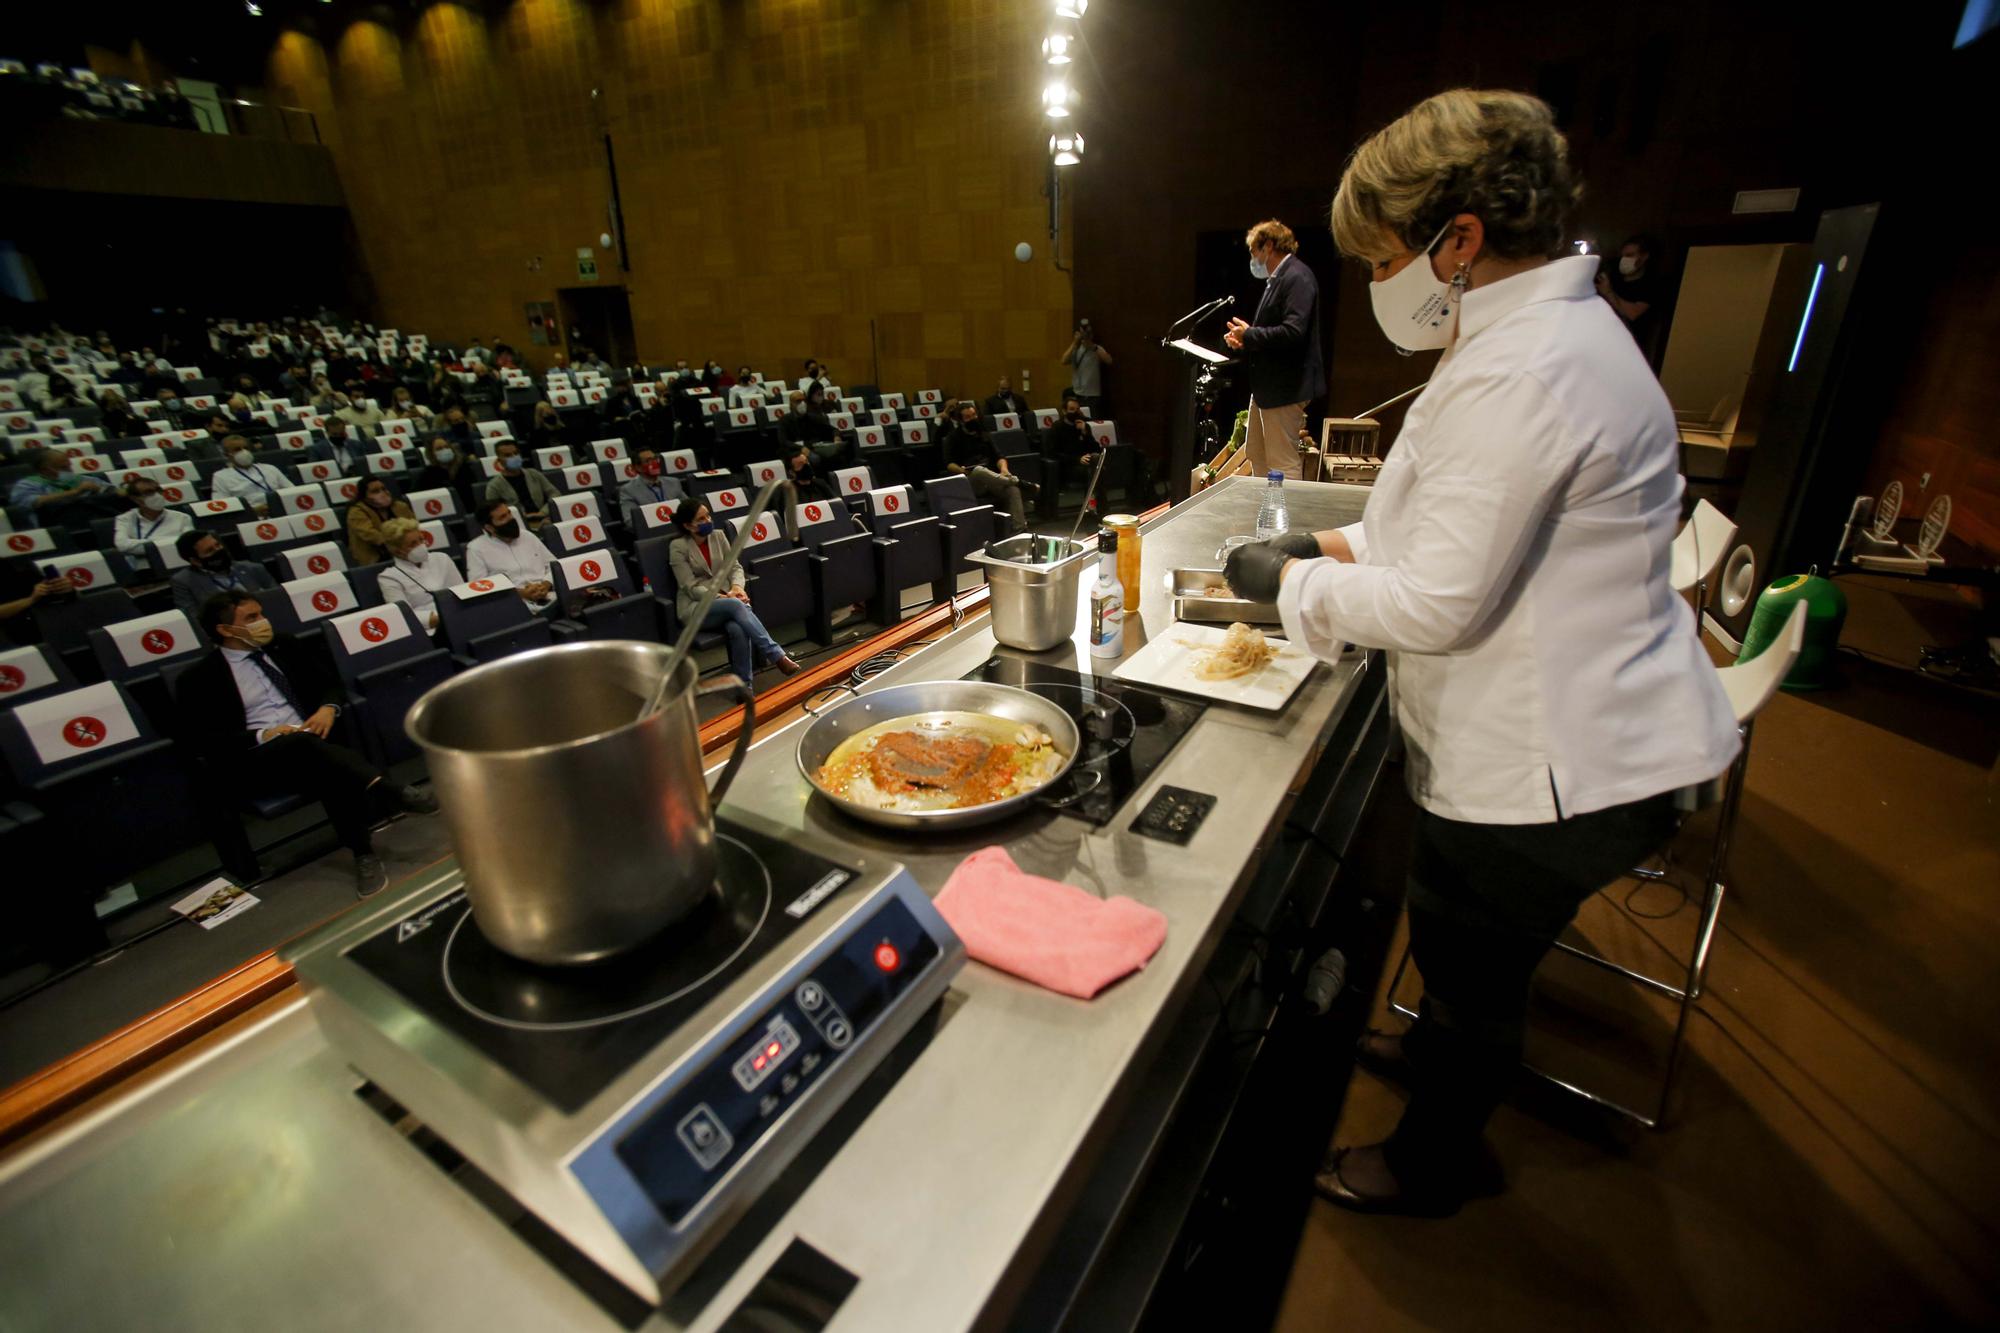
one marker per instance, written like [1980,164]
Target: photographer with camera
[1087,360]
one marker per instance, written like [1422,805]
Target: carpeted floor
[1834,1154]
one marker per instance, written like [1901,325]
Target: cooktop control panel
[680,1147]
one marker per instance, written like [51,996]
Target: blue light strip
[1819,271]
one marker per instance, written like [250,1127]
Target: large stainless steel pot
[1033,579]
[835,724]
[581,832]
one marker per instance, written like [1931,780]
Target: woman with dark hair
[697,558]
[365,517]
[1513,561]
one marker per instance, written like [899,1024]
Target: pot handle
[744,695]
[1065,802]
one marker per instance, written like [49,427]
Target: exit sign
[586,264]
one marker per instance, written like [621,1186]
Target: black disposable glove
[1297,545]
[1253,570]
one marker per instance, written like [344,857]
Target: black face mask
[218,563]
[509,530]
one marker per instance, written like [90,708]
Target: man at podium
[1280,347]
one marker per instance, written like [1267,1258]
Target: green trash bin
[1826,612]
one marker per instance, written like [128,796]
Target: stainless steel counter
[251,1185]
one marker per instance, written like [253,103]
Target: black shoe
[370,875]
[1333,1187]
[416,801]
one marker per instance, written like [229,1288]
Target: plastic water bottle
[1271,518]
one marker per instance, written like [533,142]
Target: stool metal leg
[1685,994]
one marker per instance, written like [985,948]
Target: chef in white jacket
[1513,561]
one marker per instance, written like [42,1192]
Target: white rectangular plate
[1168,663]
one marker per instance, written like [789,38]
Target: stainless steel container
[833,725]
[1195,598]
[582,833]
[1033,579]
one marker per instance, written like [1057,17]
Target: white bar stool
[1749,686]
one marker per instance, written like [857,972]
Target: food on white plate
[940,761]
[1243,650]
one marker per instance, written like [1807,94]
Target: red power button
[887,957]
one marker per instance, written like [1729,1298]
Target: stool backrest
[1700,547]
[1751,684]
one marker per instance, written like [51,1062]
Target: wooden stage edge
[71,1082]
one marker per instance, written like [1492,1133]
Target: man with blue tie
[246,708]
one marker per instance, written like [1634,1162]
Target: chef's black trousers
[331,774]
[1485,902]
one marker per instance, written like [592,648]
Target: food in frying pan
[940,761]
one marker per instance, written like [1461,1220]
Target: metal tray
[1189,587]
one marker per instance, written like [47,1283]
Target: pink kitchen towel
[1047,932]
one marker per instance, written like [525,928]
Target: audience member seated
[378,505]
[651,487]
[815,374]
[149,523]
[502,548]
[417,573]
[743,390]
[246,709]
[692,556]
[450,467]
[33,386]
[588,359]
[20,589]
[252,393]
[210,570]
[526,488]
[545,426]
[340,446]
[117,418]
[62,395]
[54,494]
[1067,441]
[356,409]
[255,484]
[1004,400]
[214,447]
[404,407]
[806,424]
[455,426]
[325,399]
[969,449]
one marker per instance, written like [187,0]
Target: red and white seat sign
[28,541]
[579,505]
[764,531]
[727,502]
[854,481]
[890,502]
[492,583]
[307,562]
[763,474]
[371,627]
[440,503]
[301,499]
[87,570]
[153,639]
[77,723]
[580,534]
[23,670]
[321,596]
[588,567]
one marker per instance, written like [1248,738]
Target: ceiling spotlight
[1071,9]
[1066,149]
[1056,99]
[1056,48]
[253,9]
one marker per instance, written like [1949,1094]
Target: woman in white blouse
[1513,560]
[416,574]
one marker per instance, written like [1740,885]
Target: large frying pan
[834,724]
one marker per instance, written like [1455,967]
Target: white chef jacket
[1513,559]
[405,582]
[524,560]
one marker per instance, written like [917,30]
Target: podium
[1196,437]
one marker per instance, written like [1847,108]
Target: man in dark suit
[210,570]
[1005,399]
[1282,346]
[263,719]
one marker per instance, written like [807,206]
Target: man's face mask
[509,530]
[215,562]
[651,467]
[256,634]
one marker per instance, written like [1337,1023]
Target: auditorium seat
[631,616]
[966,523]
[386,661]
[490,627]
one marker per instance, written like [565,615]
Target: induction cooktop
[1127,730]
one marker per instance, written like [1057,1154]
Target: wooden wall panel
[789,169]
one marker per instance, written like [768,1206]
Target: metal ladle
[658,698]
